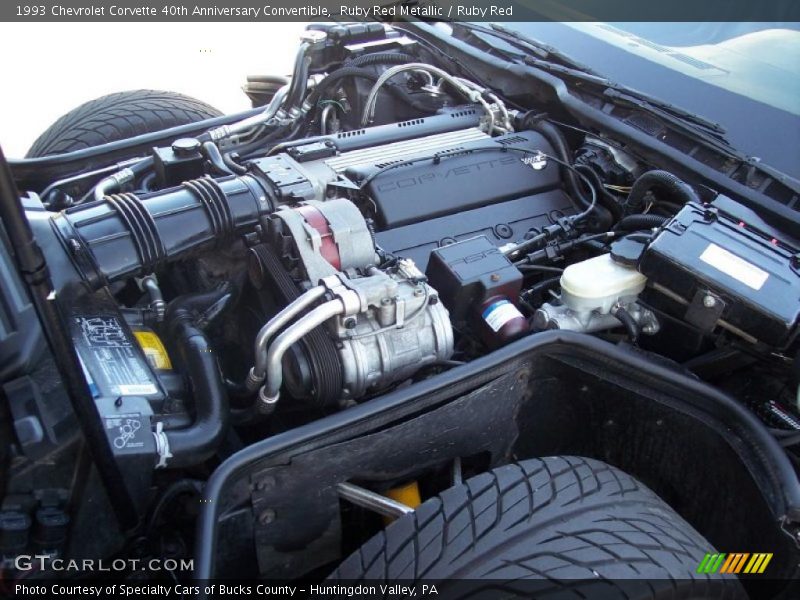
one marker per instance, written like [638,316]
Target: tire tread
[572,522]
[118,116]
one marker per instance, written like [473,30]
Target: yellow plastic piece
[154,350]
[405,494]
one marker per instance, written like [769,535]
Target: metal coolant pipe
[270,391]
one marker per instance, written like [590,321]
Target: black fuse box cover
[705,250]
[469,272]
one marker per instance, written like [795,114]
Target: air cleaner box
[725,266]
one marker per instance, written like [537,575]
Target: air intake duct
[125,235]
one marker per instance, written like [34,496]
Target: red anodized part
[328,248]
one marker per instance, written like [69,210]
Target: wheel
[119,116]
[567,526]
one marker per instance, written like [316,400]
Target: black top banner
[385,10]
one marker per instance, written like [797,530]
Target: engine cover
[467,176]
[432,190]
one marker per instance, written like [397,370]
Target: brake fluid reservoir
[598,283]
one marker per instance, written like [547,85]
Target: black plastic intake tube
[200,441]
[125,235]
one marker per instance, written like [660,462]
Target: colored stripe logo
[736,562]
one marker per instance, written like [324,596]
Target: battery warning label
[111,357]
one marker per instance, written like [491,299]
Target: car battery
[727,271]
[113,362]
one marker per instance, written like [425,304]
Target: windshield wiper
[540,49]
[547,58]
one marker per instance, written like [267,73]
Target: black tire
[579,527]
[117,117]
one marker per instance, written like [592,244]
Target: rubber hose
[606,199]
[348,72]
[380,58]
[214,156]
[543,285]
[573,183]
[639,222]
[662,182]
[200,441]
[299,83]
[629,322]
[233,165]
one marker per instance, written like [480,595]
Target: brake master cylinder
[595,295]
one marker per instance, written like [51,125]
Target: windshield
[757,60]
[744,76]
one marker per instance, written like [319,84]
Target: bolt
[503,231]
[433,300]
[495,277]
[266,517]
[350,323]
[709,301]
[419,292]
[386,301]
